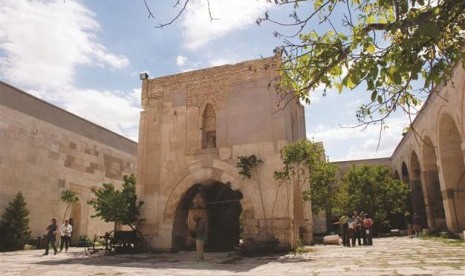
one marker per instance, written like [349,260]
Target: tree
[117,206]
[393,49]
[305,164]
[323,183]
[14,227]
[372,189]
[248,165]
[69,197]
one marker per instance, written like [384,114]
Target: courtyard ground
[388,256]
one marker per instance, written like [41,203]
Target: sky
[86,57]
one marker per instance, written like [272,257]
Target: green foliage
[323,182]
[390,49]
[246,164]
[69,197]
[14,226]
[299,159]
[305,163]
[117,206]
[84,241]
[372,189]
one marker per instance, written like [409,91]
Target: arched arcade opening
[435,206]
[453,171]
[219,205]
[416,188]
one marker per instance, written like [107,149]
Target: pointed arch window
[208,127]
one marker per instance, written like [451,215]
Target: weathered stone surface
[194,127]
[388,256]
[44,150]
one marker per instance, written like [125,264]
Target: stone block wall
[45,150]
[172,158]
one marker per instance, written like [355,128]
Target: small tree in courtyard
[14,226]
[323,183]
[372,189]
[305,166]
[69,197]
[117,206]
[248,166]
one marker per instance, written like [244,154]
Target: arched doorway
[222,209]
[406,179]
[453,171]
[418,200]
[436,215]
[75,221]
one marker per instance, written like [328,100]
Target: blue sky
[86,56]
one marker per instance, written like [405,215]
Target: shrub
[14,226]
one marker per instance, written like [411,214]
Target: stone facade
[45,150]
[431,159]
[193,128]
[345,166]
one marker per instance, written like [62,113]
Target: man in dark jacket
[51,236]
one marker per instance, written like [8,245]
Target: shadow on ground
[226,261]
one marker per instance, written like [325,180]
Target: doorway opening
[220,205]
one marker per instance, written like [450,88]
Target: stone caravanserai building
[431,159]
[193,128]
[45,150]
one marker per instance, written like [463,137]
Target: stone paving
[388,256]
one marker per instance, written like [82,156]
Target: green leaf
[350,84]
[371,48]
[374,94]
[371,19]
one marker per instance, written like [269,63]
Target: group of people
[65,232]
[358,227]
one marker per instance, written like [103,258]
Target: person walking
[66,229]
[200,236]
[51,236]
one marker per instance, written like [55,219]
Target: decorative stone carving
[198,202]
[209,118]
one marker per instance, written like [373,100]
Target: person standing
[416,224]
[51,236]
[343,223]
[368,223]
[66,229]
[200,236]
[409,223]
[357,229]
[363,230]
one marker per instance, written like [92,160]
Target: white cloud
[44,41]
[181,60]
[117,111]
[222,61]
[347,143]
[229,15]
